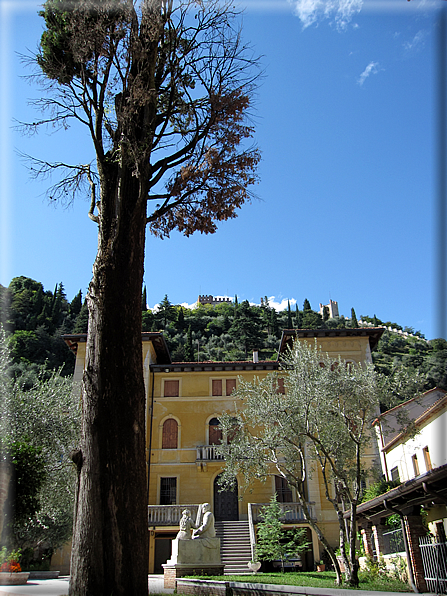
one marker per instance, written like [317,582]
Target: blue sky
[345,118]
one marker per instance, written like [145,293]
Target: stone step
[234,546]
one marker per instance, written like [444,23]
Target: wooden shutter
[217,387]
[171,389]
[170,434]
[215,433]
[281,386]
[231,386]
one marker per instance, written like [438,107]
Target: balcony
[292,512]
[169,515]
[207,453]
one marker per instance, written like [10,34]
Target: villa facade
[183,403]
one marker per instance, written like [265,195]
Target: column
[415,529]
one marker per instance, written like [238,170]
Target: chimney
[255,356]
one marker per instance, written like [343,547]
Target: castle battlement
[209,299]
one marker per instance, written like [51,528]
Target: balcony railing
[169,515]
[292,512]
[208,453]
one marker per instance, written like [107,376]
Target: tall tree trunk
[110,542]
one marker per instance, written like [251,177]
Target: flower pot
[321,567]
[13,579]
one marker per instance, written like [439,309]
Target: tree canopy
[321,421]
[39,427]
[164,90]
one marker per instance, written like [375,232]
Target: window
[395,474]
[283,490]
[170,434]
[414,459]
[230,386]
[280,385]
[215,433]
[217,387]
[168,491]
[427,458]
[171,389]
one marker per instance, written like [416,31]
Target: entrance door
[225,504]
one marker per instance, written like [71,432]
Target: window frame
[169,380]
[223,386]
[163,435]
[160,481]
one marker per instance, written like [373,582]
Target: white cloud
[417,41]
[372,68]
[278,304]
[339,11]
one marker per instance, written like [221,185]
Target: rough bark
[110,543]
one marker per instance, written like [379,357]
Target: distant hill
[35,319]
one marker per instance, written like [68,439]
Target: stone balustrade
[169,515]
[208,453]
[292,512]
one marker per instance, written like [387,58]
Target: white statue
[201,552]
[186,525]
[206,531]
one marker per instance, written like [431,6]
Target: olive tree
[44,421]
[164,90]
[320,424]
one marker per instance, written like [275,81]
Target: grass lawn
[324,579]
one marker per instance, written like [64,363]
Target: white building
[412,436]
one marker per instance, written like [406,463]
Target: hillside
[35,319]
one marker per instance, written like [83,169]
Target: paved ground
[38,587]
[59,587]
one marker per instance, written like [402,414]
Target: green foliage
[40,427]
[324,416]
[322,580]
[35,321]
[28,466]
[227,331]
[378,488]
[274,543]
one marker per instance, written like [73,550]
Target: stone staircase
[235,548]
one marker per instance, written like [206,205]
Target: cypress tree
[289,316]
[189,350]
[298,318]
[273,322]
[354,322]
[144,300]
[180,319]
[76,304]
[306,305]
[235,306]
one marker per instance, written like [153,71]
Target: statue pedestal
[193,557]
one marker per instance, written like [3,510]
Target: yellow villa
[183,403]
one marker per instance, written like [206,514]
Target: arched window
[215,433]
[170,434]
